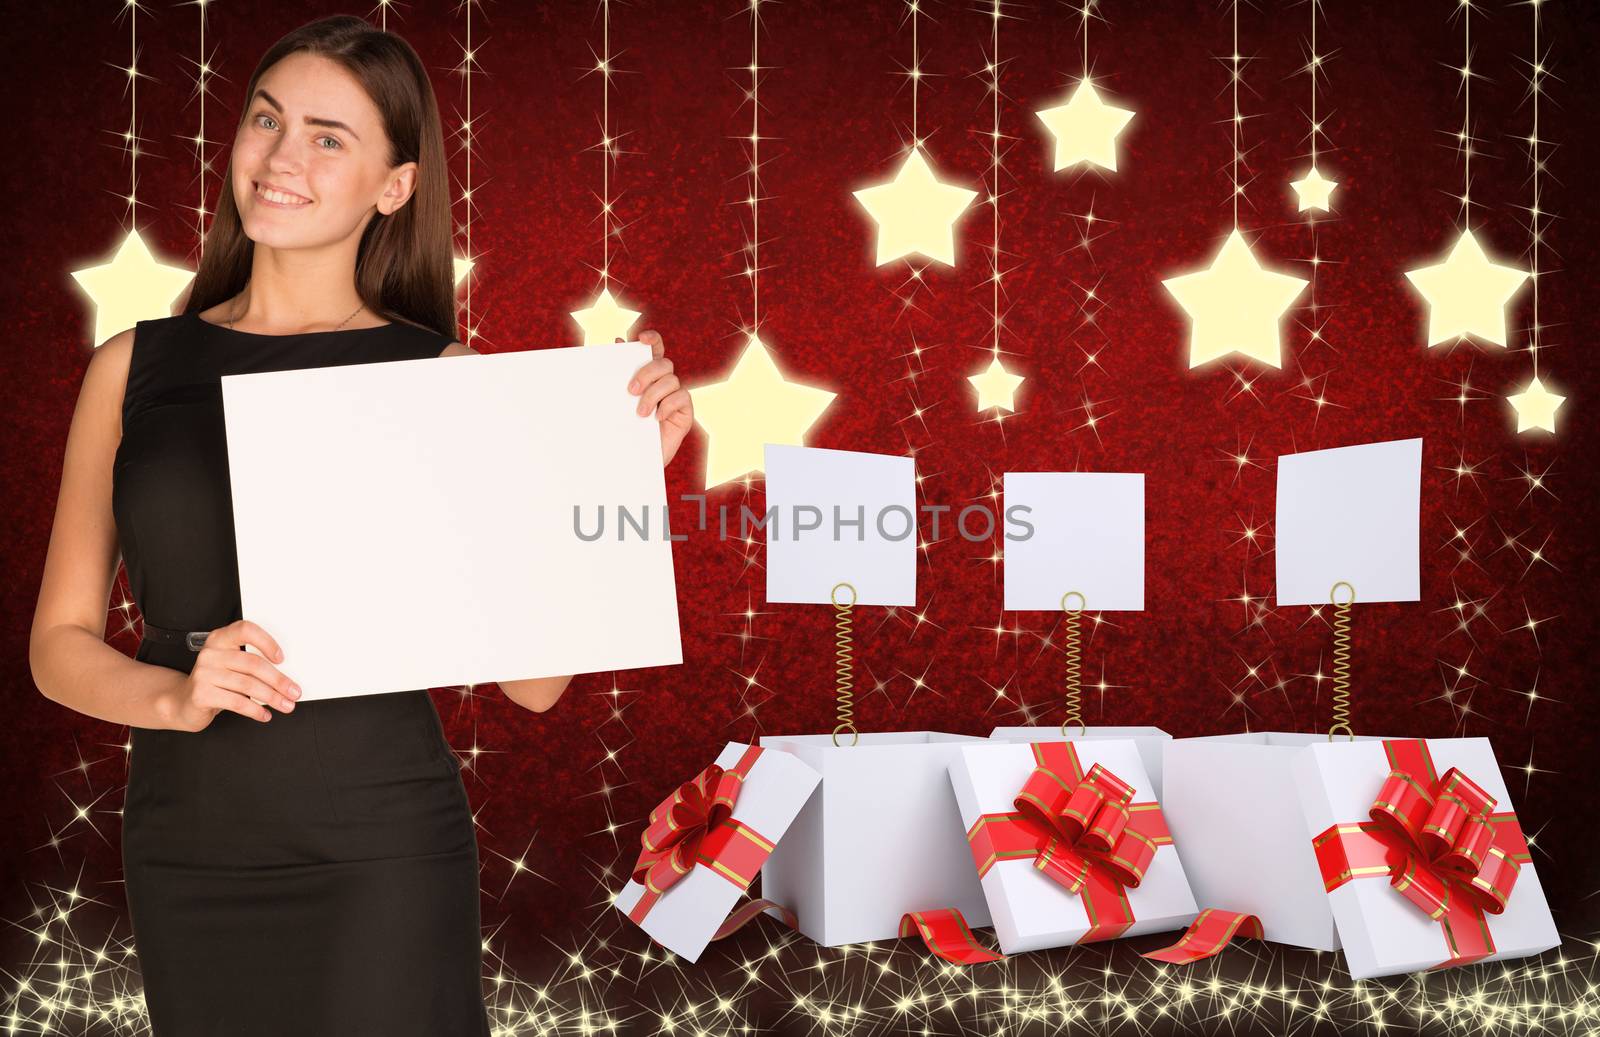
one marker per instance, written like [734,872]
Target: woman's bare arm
[538,693]
[67,652]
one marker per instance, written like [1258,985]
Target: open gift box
[881,838]
[1150,741]
[1265,818]
[1068,843]
[704,844]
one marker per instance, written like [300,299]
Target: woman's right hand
[226,678]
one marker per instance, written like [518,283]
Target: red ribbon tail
[947,935]
[748,912]
[1207,935]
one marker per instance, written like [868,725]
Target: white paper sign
[410,524]
[1088,536]
[840,516]
[1352,514]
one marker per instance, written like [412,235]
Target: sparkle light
[995,376]
[1235,305]
[1466,292]
[755,404]
[1536,405]
[605,320]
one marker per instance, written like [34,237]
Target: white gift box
[882,837]
[688,913]
[1383,932]
[1231,803]
[1150,741]
[1032,911]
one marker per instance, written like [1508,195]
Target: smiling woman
[338,162]
[290,867]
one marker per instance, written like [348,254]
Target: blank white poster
[1088,536]
[861,510]
[1350,514]
[416,523]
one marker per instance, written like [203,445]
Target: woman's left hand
[657,387]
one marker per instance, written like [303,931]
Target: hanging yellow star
[1235,305]
[1466,293]
[996,386]
[754,406]
[915,212]
[1536,406]
[130,287]
[462,268]
[1314,190]
[605,320]
[1085,128]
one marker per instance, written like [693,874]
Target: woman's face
[312,133]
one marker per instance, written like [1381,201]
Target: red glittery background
[563,791]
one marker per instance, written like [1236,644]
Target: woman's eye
[335,140]
[264,115]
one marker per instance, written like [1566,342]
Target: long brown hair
[404,268]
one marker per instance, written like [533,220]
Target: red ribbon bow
[1085,825]
[1082,830]
[1449,848]
[1440,844]
[692,826]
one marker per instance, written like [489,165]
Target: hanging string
[1074,680]
[1341,661]
[844,665]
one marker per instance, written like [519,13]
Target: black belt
[193,640]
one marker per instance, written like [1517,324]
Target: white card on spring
[415,523]
[1088,536]
[1353,514]
[878,557]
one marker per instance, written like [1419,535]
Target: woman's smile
[279,199]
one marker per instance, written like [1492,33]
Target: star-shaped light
[915,212]
[605,320]
[996,386]
[1314,190]
[1085,128]
[132,286]
[753,407]
[462,267]
[1466,293]
[1536,406]
[1235,305]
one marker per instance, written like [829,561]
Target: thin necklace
[342,323]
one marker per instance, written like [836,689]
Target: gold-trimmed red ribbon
[1440,844]
[695,826]
[1211,931]
[1081,830]
[947,934]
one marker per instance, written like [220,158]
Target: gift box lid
[696,863]
[1032,910]
[1404,903]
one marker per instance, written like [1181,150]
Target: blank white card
[416,523]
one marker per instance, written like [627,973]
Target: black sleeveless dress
[316,874]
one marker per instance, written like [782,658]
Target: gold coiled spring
[844,665]
[1341,661]
[1074,680]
